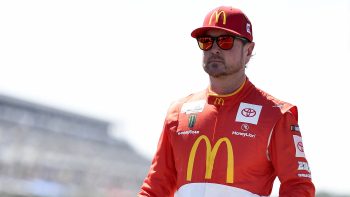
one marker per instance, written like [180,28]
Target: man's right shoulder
[191,98]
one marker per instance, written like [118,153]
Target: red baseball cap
[226,18]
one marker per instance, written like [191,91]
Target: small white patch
[305,175]
[299,148]
[193,107]
[248,28]
[303,166]
[248,113]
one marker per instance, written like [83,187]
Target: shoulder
[275,105]
[190,102]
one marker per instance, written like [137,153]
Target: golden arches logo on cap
[217,17]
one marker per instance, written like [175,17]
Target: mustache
[215,57]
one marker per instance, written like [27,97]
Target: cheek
[233,57]
[205,56]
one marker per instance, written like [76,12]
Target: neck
[226,85]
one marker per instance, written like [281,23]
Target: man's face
[219,63]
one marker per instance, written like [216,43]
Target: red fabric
[282,152]
[243,140]
[161,179]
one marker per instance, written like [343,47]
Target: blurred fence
[45,152]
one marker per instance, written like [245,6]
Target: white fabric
[211,190]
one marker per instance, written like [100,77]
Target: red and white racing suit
[229,145]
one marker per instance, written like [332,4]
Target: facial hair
[216,66]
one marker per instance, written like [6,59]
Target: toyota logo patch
[248,112]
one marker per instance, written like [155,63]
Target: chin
[216,74]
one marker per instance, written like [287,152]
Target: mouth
[215,58]
[215,61]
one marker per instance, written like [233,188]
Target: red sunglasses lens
[205,43]
[225,42]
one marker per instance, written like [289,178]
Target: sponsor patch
[219,101]
[193,107]
[305,175]
[189,132]
[248,28]
[243,134]
[245,127]
[192,120]
[303,166]
[248,113]
[299,148]
[294,128]
[279,105]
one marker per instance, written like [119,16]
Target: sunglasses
[224,42]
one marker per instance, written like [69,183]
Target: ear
[249,47]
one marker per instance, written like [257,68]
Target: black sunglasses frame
[215,39]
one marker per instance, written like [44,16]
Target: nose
[215,48]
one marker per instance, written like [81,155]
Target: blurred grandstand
[46,152]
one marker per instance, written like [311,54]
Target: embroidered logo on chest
[192,120]
[248,113]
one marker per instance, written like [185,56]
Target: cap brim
[202,30]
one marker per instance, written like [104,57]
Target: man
[231,139]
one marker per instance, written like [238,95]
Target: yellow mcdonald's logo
[210,158]
[217,16]
[219,101]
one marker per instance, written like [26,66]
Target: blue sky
[126,61]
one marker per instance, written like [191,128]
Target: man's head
[229,19]
[226,40]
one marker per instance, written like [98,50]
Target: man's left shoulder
[276,104]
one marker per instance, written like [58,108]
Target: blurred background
[85,86]
[49,152]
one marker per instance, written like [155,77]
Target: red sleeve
[161,178]
[288,158]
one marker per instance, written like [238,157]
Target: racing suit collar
[221,100]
